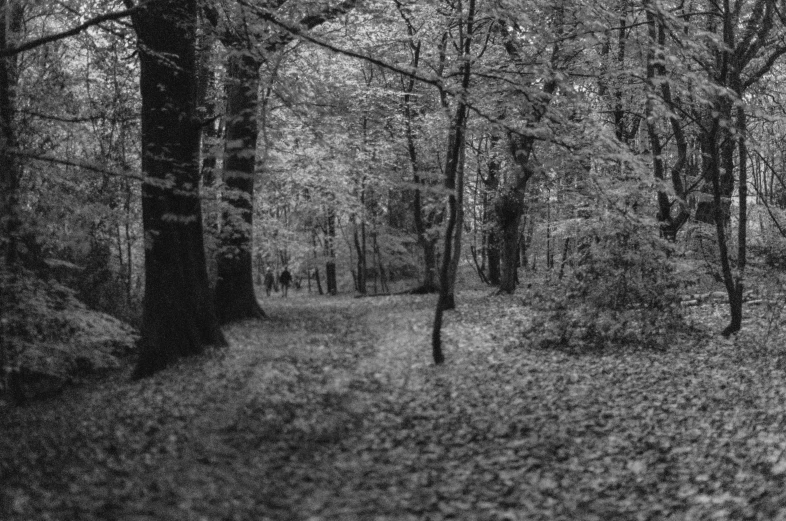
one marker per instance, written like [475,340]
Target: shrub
[624,290]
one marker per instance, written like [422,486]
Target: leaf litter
[332,409]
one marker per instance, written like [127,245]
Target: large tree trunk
[10,170]
[234,296]
[211,136]
[178,317]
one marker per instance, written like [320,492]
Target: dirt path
[248,434]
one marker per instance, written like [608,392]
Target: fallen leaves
[331,410]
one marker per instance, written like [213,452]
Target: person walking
[285,279]
[270,279]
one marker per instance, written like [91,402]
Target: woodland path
[331,409]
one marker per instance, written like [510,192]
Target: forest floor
[331,409]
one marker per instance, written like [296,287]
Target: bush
[624,290]
[49,338]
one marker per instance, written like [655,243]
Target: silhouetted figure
[270,279]
[285,279]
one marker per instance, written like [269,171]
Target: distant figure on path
[285,278]
[270,279]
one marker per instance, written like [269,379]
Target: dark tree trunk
[319,282]
[459,228]
[456,140]
[490,228]
[493,258]
[178,317]
[234,296]
[360,246]
[330,251]
[509,208]
[10,171]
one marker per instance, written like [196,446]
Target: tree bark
[178,317]
[234,295]
[456,140]
[10,169]
[508,208]
[457,234]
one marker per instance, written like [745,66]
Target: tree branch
[38,42]
[77,164]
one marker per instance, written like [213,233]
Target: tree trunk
[493,257]
[456,140]
[457,235]
[360,280]
[10,170]
[490,226]
[735,300]
[210,139]
[178,317]
[330,251]
[234,296]
[427,243]
[508,208]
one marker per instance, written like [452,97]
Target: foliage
[50,338]
[767,237]
[624,291]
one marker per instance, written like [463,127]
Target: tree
[251,43]
[11,12]
[178,316]
[453,175]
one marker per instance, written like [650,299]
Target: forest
[537,252]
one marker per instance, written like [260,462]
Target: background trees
[352,137]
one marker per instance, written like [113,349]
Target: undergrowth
[623,292]
[50,338]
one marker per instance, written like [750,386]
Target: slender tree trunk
[330,241]
[490,225]
[493,256]
[735,298]
[456,140]
[234,295]
[178,318]
[457,235]
[427,243]
[360,280]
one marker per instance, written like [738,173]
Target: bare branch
[77,164]
[38,42]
